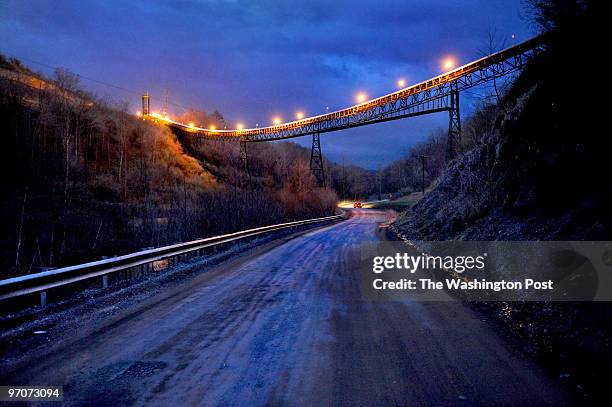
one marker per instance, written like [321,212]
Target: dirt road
[288,326]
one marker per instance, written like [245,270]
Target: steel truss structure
[453,144]
[316,160]
[426,97]
[438,94]
[244,157]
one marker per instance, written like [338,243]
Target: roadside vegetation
[400,204]
[82,178]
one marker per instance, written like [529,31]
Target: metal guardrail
[40,282]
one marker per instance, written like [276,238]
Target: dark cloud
[253,59]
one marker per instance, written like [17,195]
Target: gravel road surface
[287,325]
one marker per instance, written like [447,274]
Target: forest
[82,178]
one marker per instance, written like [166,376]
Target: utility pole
[185,237]
[146,107]
[422,157]
[379,183]
[165,103]
[343,178]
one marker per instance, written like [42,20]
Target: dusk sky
[252,60]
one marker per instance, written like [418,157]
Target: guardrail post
[43,298]
[105,281]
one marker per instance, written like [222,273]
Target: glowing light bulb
[401,83]
[239,126]
[276,120]
[299,115]
[361,97]
[448,64]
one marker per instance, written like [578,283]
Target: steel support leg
[245,159]
[146,108]
[454,124]
[316,160]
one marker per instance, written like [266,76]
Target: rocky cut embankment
[530,178]
[537,174]
[540,172]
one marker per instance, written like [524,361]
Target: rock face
[536,175]
[542,172]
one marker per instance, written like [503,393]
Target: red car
[357,205]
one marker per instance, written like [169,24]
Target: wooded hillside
[83,179]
